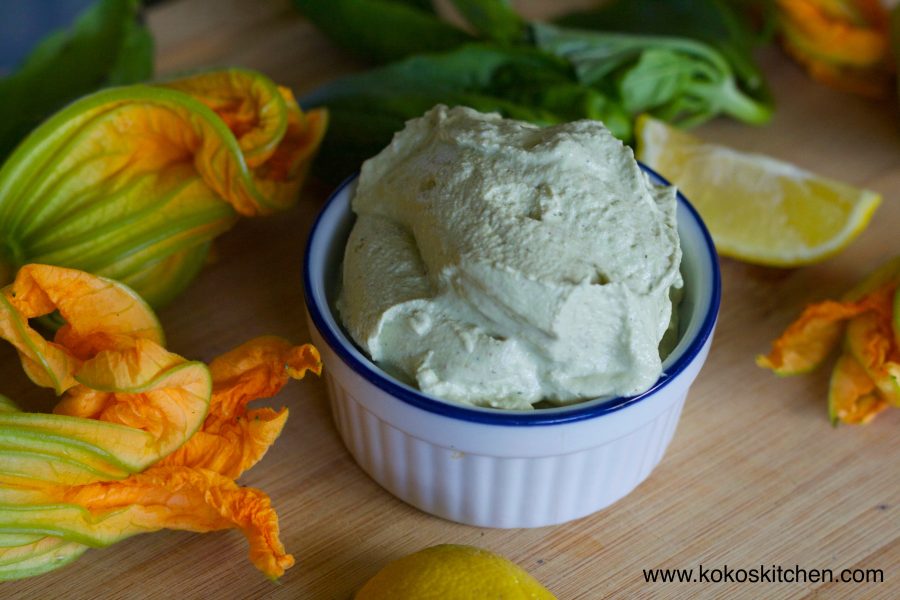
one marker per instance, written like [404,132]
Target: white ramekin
[495,468]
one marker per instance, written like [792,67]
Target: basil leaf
[659,77]
[381,30]
[713,22]
[472,67]
[702,86]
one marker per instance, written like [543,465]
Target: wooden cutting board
[755,475]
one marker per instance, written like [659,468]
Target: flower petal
[170,403]
[852,396]
[808,340]
[232,440]
[198,500]
[257,369]
[870,341]
[248,102]
[100,314]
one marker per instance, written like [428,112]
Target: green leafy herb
[713,22]
[494,19]
[382,30]
[470,67]
[676,79]
[105,46]
[690,61]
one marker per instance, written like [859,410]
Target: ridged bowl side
[488,491]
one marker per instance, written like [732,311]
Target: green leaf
[472,67]
[702,86]
[710,21]
[659,76]
[381,30]
[135,60]
[105,46]
[494,19]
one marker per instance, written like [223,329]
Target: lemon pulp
[758,209]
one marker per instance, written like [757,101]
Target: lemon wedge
[758,209]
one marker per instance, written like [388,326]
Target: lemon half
[453,572]
[758,209]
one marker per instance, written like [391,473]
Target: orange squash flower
[135,182]
[142,439]
[866,378]
[842,43]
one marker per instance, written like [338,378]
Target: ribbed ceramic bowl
[490,467]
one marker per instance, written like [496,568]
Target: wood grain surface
[755,475]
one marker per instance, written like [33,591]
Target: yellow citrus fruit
[452,572]
[758,209]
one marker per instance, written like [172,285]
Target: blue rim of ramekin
[496,416]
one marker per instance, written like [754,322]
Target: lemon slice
[758,209]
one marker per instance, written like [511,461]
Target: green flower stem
[742,107]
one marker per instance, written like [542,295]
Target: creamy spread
[497,263]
